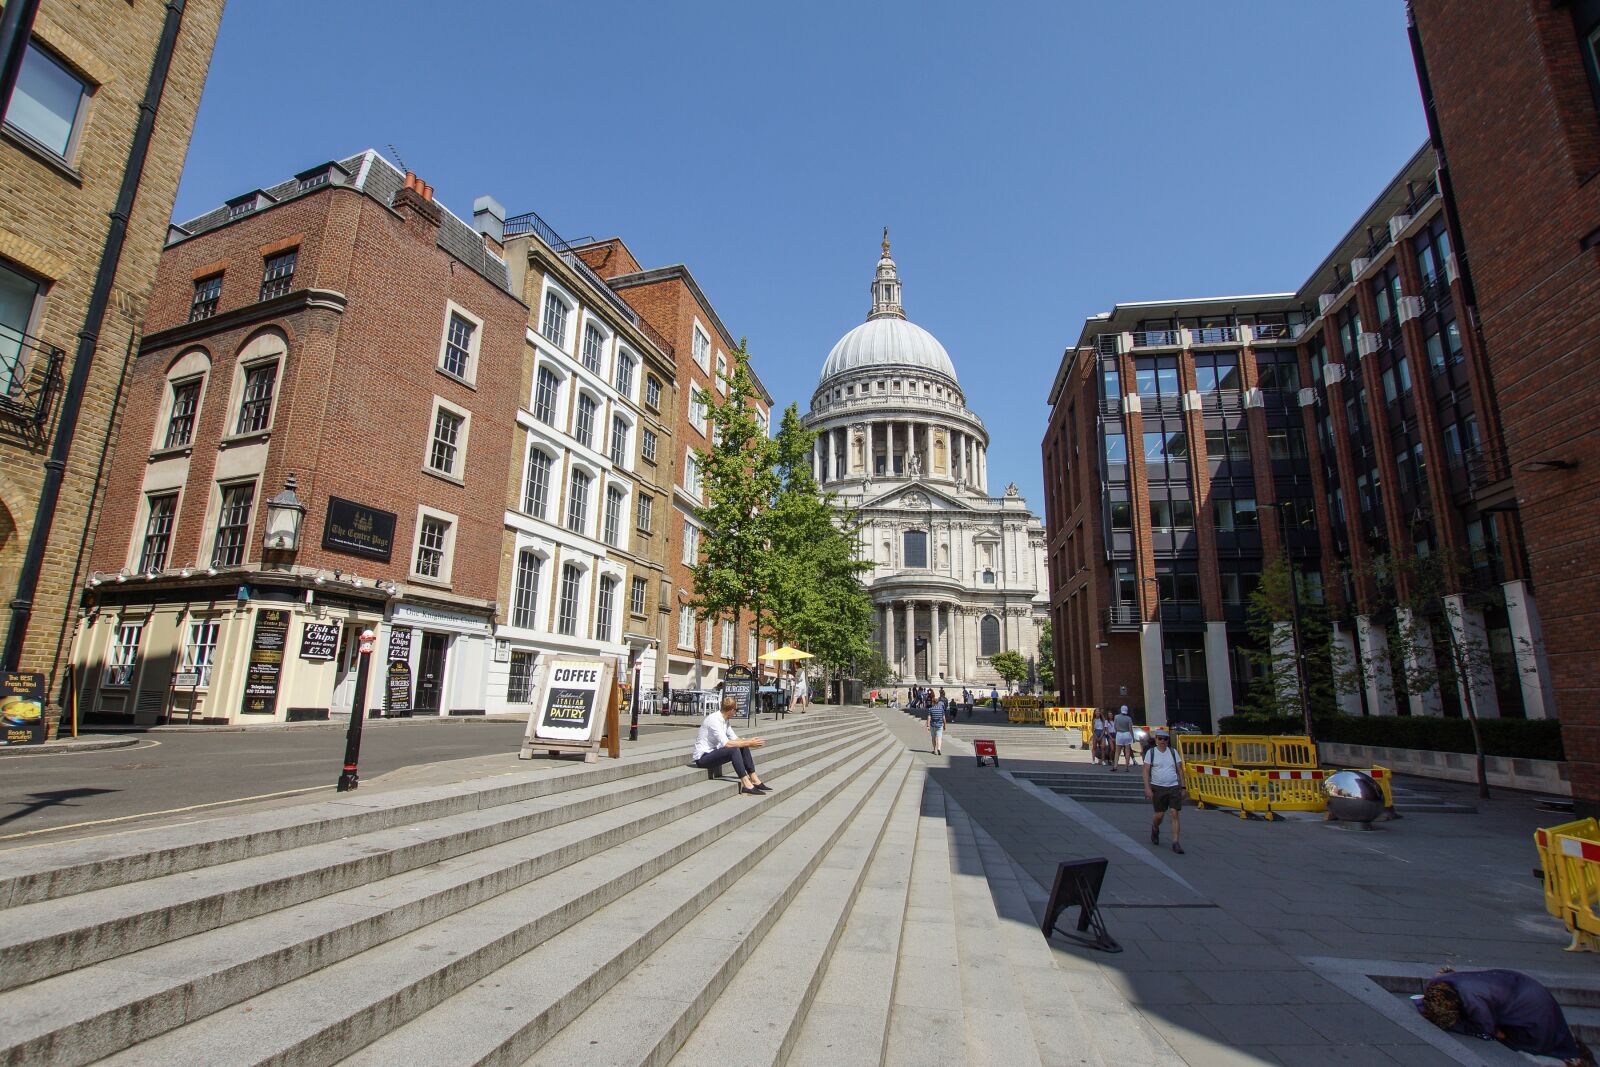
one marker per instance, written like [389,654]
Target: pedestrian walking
[1104,750]
[1163,786]
[936,715]
[1505,1006]
[994,700]
[1123,736]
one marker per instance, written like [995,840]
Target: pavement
[1260,943]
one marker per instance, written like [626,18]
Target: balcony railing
[530,222]
[1277,331]
[1214,335]
[1155,339]
[1123,617]
[1417,202]
[30,378]
[1485,467]
[1435,291]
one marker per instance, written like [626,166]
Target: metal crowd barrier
[1249,750]
[1265,792]
[1569,857]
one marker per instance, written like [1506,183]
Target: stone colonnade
[901,448]
[951,648]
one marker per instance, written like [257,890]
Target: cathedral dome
[888,342]
[888,339]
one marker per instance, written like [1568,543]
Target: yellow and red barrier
[1569,856]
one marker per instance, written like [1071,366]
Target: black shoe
[1177,848]
[1155,837]
[763,787]
[751,792]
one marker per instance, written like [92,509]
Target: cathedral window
[916,548]
[989,636]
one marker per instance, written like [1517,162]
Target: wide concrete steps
[353,916]
[627,913]
[1091,783]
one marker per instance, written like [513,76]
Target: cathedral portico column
[887,633]
[908,651]
[933,642]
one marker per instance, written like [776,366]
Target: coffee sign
[358,530]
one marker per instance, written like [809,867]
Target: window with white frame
[536,485]
[727,640]
[525,590]
[691,473]
[691,545]
[435,545]
[605,608]
[447,450]
[750,649]
[157,533]
[200,650]
[567,608]
[644,517]
[180,423]
[697,410]
[722,373]
[459,353]
[233,525]
[124,654]
[519,687]
[255,402]
[578,501]
[685,626]
[624,376]
[648,442]
[277,273]
[19,302]
[636,595]
[710,636]
[652,392]
[594,344]
[619,440]
[554,323]
[546,393]
[611,527]
[207,294]
[583,425]
[47,103]
[702,349]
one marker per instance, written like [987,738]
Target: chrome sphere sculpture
[1353,797]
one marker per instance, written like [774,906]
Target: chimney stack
[489,219]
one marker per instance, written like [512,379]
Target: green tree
[1047,658]
[1010,665]
[738,482]
[1292,647]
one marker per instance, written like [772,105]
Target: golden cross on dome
[886,240]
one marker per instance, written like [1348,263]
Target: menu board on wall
[264,670]
[397,689]
[21,708]
[319,640]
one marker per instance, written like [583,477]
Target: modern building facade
[673,304]
[1192,441]
[1512,95]
[86,127]
[583,567]
[958,573]
[340,344]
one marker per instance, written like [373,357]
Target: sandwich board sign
[576,710]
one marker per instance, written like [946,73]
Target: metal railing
[530,222]
[1420,200]
[1214,335]
[30,377]
[1436,291]
[1123,617]
[1486,466]
[1155,338]
[1278,331]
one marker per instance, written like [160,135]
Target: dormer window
[316,177]
[240,206]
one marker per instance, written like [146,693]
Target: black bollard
[349,778]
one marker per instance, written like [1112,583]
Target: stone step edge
[52,871]
[717,1026]
[388,1010]
[96,1030]
[160,923]
[837,817]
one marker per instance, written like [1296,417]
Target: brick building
[672,302]
[342,335]
[72,126]
[586,518]
[1512,94]
[1192,441]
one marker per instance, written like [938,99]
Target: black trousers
[743,763]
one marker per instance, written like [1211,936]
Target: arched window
[525,595]
[989,636]
[916,548]
[536,489]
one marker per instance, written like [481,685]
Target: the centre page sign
[574,698]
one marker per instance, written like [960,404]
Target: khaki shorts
[1163,797]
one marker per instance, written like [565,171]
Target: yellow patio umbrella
[785,653]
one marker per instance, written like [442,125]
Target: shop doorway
[430,672]
[344,675]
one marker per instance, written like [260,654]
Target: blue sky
[1035,163]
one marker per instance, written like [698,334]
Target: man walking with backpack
[1163,785]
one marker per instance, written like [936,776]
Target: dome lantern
[888,339]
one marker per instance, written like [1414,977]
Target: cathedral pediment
[915,496]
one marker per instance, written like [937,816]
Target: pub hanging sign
[358,530]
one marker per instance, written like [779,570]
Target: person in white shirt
[1163,785]
[716,744]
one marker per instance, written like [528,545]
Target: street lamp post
[348,778]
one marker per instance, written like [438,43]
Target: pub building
[313,443]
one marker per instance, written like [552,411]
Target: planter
[1506,772]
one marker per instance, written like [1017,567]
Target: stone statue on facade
[1012,490]
[914,465]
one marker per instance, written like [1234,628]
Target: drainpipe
[16,27]
[89,337]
